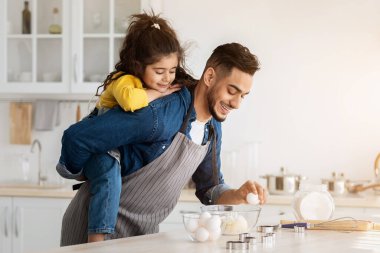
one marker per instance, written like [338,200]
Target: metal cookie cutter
[268,228]
[273,235]
[265,229]
[299,229]
[251,240]
[244,235]
[237,245]
[267,239]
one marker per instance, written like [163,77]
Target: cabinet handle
[17,216]
[6,222]
[75,70]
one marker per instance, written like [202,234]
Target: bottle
[55,28]
[26,19]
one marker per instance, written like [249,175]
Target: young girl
[150,59]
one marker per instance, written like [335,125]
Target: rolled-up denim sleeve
[213,194]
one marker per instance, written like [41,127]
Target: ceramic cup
[25,77]
[49,76]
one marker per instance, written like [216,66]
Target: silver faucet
[41,178]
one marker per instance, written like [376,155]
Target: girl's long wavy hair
[148,39]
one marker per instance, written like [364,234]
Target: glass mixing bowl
[235,219]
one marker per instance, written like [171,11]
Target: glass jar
[313,202]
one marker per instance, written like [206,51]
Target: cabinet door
[99,28]
[5,224]
[35,59]
[37,223]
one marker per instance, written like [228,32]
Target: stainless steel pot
[283,184]
[335,185]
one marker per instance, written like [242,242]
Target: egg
[192,225]
[203,218]
[201,234]
[213,223]
[242,224]
[215,234]
[253,199]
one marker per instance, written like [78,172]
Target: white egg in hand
[203,218]
[252,199]
[191,225]
[201,234]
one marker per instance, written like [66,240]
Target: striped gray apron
[147,196]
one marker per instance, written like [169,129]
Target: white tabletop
[286,241]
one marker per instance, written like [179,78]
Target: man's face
[228,92]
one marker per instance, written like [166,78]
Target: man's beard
[211,107]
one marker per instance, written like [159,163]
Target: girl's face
[159,75]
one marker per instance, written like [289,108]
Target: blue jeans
[103,173]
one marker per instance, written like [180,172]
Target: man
[162,146]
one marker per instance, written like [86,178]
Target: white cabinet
[30,224]
[5,225]
[36,62]
[77,59]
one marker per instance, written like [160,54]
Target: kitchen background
[315,103]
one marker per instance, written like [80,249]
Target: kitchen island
[286,241]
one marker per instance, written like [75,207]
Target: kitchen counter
[48,191]
[367,200]
[286,241]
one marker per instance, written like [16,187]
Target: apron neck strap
[212,135]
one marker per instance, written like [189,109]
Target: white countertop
[366,200]
[286,241]
[37,192]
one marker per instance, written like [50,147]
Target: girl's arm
[154,94]
[131,96]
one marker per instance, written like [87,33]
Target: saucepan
[283,184]
[336,185]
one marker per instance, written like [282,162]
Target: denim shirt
[141,136]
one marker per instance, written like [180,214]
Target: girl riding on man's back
[151,58]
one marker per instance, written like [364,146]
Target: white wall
[315,103]
[10,154]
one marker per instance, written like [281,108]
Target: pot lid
[283,173]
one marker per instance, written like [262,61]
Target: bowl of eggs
[235,219]
[203,226]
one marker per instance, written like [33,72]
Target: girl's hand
[153,94]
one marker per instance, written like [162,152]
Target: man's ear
[209,76]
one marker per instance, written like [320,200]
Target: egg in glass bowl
[202,227]
[235,219]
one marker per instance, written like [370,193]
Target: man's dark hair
[233,55]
